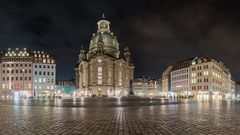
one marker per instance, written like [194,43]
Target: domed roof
[106,37]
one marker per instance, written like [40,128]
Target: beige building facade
[199,77]
[166,82]
[145,87]
[210,79]
[101,71]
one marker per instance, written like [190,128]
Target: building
[237,90]
[146,87]
[102,71]
[44,73]
[180,77]
[200,77]
[210,79]
[25,73]
[166,82]
[65,87]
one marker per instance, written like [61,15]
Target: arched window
[99,75]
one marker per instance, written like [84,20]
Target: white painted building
[44,74]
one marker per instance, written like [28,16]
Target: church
[102,71]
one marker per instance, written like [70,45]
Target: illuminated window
[109,76]
[120,78]
[29,85]
[205,73]
[193,81]
[99,75]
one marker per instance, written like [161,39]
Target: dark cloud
[159,33]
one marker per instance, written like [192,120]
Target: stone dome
[109,40]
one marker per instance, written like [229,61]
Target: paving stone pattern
[199,118]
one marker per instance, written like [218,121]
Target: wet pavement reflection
[119,116]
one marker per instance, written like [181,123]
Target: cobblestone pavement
[196,118]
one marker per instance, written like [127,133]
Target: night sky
[159,33]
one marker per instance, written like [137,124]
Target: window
[40,66]
[35,72]
[205,79]
[193,81]
[40,73]
[120,78]
[205,72]
[52,73]
[99,75]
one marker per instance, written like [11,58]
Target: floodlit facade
[180,77]
[166,82]
[18,67]
[210,79]
[44,74]
[146,87]
[101,71]
[200,78]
